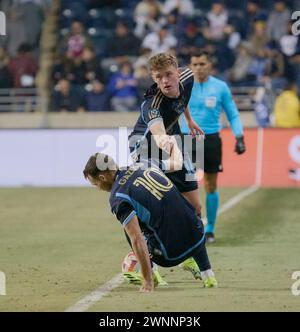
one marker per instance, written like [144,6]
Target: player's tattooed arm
[140,249]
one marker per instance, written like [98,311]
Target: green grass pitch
[58,245]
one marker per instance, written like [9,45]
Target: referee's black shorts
[212,153]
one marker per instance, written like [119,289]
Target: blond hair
[161,61]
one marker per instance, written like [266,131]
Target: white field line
[85,303]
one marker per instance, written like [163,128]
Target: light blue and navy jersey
[207,101]
[166,218]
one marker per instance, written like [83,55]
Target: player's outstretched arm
[140,249]
[161,138]
[174,163]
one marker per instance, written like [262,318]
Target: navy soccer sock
[201,258]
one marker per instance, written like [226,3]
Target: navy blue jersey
[166,218]
[157,107]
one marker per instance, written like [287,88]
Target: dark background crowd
[103,46]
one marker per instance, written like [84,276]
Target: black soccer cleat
[210,238]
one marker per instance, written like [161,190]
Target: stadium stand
[86,42]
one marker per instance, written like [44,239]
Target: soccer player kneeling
[161,225]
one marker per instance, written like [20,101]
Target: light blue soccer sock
[212,204]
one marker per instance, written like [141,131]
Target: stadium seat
[125,15]
[75,10]
[101,18]
[130,5]
[204,5]
[100,38]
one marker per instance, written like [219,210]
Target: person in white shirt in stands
[160,42]
[184,7]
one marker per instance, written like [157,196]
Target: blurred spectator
[24,24]
[142,60]
[189,42]
[287,108]
[262,107]
[288,42]
[259,65]
[33,19]
[5,78]
[93,69]
[217,18]
[97,98]
[160,42]
[65,98]
[75,42]
[275,69]
[232,36]
[16,31]
[290,48]
[123,89]
[259,38]
[183,7]
[239,73]
[78,72]
[23,68]
[144,8]
[146,15]
[62,68]
[254,13]
[175,22]
[144,80]
[278,20]
[222,58]
[123,43]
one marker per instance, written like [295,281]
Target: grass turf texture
[58,245]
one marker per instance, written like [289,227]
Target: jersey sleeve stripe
[128,219]
[187,76]
[157,100]
[185,72]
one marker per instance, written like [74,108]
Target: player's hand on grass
[240,147]
[147,287]
[195,129]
